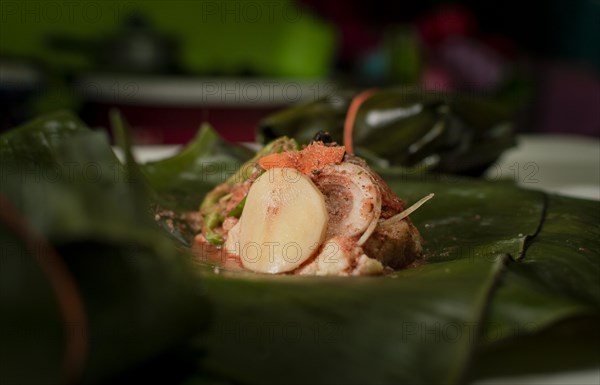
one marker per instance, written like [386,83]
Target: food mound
[315,211]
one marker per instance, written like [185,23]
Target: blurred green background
[170,65]
[274,38]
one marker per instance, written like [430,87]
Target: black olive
[322,136]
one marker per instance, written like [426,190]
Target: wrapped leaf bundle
[406,127]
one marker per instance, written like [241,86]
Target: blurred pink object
[436,78]
[446,21]
[569,101]
[474,66]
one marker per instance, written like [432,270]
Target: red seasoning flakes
[310,159]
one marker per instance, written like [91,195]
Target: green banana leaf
[555,290]
[452,133]
[510,285]
[206,161]
[139,297]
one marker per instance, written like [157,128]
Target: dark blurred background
[169,65]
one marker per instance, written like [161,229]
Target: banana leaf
[451,133]
[132,295]
[177,184]
[510,285]
[204,162]
[274,330]
[555,290]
